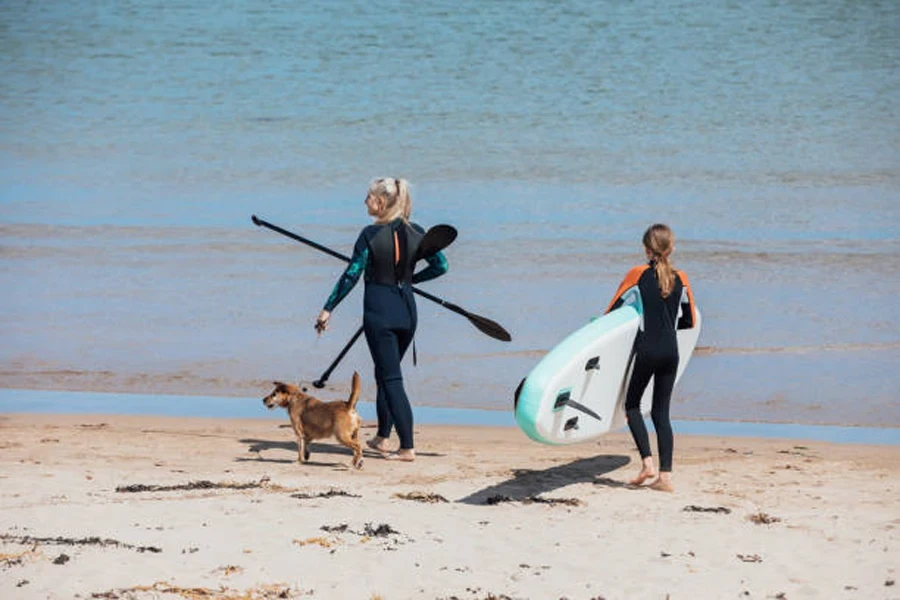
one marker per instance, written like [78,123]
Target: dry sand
[136,507]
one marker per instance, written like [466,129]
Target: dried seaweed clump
[762,518]
[500,498]
[262,592]
[427,497]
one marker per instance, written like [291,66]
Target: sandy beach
[154,507]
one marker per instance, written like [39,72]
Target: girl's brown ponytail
[659,241]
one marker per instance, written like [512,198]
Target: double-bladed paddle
[483,324]
[436,238]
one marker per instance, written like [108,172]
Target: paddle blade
[435,239]
[489,327]
[484,325]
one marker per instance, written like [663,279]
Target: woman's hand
[322,321]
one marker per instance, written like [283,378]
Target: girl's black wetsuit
[385,253]
[655,353]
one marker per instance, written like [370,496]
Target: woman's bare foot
[407,455]
[647,472]
[664,483]
[378,444]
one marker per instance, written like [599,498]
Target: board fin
[565,399]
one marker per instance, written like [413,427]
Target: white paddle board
[577,391]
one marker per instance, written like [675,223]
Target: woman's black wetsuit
[385,253]
[655,354]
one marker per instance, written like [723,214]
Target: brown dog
[313,419]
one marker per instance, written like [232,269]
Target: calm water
[137,138]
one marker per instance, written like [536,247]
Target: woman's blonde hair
[395,194]
[659,242]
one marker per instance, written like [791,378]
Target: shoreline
[13,401]
[799,387]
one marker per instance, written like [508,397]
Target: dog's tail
[354,392]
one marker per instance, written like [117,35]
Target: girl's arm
[350,275]
[437,266]
[687,309]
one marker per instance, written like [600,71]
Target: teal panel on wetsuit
[348,280]
[437,266]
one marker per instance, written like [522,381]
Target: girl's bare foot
[407,455]
[663,484]
[643,476]
[647,472]
[378,444]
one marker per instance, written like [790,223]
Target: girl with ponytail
[667,304]
[658,245]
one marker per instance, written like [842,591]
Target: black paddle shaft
[320,382]
[483,324]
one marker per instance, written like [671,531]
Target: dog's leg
[305,449]
[352,442]
[301,449]
[302,452]
[297,423]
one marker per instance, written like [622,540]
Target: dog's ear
[279,384]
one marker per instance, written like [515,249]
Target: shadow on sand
[256,447]
[529,482]
[291,450]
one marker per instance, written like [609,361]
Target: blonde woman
[384,254]
[668,304]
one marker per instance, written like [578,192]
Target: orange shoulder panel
[631,280]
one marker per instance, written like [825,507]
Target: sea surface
[137,138]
